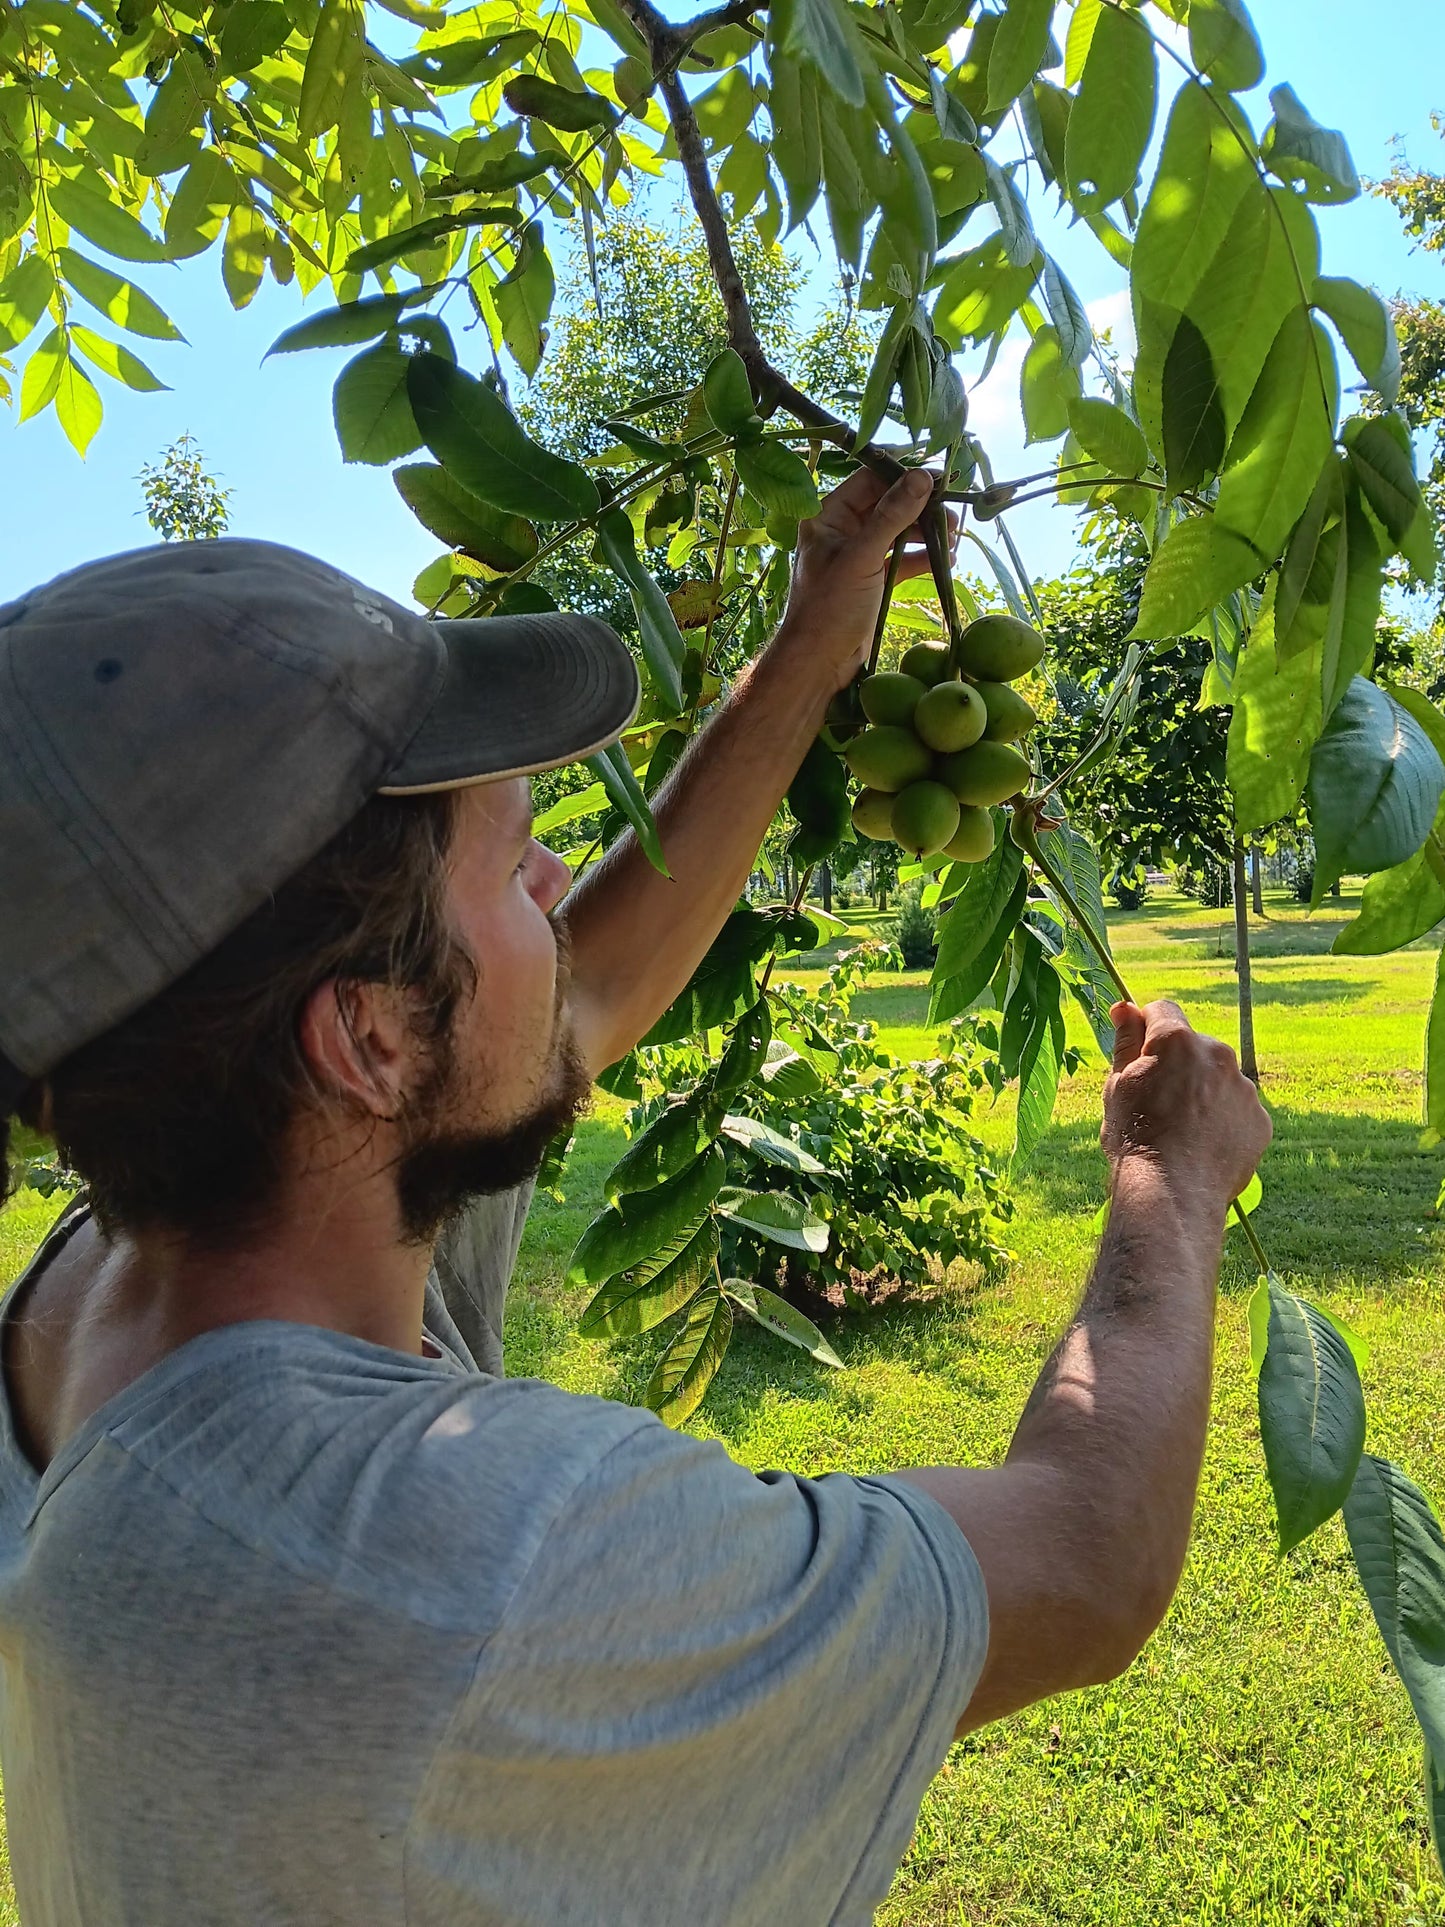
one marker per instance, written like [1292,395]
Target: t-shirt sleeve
[769,1667]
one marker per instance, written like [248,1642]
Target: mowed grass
[1259,1762]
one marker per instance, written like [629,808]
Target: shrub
[1209,884]
[917,935]
[1128,888]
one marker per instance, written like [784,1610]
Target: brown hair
[177,1117]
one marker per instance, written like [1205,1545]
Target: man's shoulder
[402,1481]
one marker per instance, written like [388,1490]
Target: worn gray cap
[182,727]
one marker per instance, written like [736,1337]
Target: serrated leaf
[250,33]
[778,1218]
[624,793]
[634,1301]
[668,1145]
[351,322]
[780,479]
[41,379]
[244,254]
[116,361]
[1017,230]
[1399,1553]
[776,1315]
[369,405]
[24,297]
[747,1050]
[1403,903]
[974,930]
[820,33]
[728,394]
[1297,149]
[663,648]
[645,1224]
[1103,430]
[338,44]
[788,1074]
[1113,113]
[478,440]
[100,220]
[1194,429]
[1375,784]
[1311,1415]
[1273,726]
[1068,314]
[1195,567]
[77,405]
[1366,328]
[1018,49]
[1048,388]
[462,520]
[1305,576]
[1039,1063]
[201,205]
[1283,438]
[797,145]
[1380,458]
[980,294]
[119,300]
[1224,45]
[524,297]
[771,1145]
[690,1363]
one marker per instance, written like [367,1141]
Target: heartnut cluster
[939,751]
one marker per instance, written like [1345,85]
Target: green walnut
[1009,716]
[925,816]
[887,758]
[987,773]
[951,715]
[928,661]
[999,648]
[972,841]
[873,815]
[891,697]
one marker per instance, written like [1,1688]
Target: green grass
[1259,1762]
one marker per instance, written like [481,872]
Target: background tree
[183,501]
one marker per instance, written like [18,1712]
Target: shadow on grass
[1296,990]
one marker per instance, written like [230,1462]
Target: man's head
[247,998]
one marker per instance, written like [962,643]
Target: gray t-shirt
[298,1630]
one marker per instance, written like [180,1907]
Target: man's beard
[445,1166]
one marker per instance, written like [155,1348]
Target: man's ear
[357,1042]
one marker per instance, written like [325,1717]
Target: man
[303,1616]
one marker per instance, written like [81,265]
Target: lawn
[1259,1762]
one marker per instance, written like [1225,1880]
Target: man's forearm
[1122,1406]
[637,936]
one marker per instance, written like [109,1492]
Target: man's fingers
[1128,1021]
[900,505]
[1160,1018]
[914,561]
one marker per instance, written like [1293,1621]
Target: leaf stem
[895,561]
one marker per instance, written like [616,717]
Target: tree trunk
[825,889]
[1257,879]
[1247,1060]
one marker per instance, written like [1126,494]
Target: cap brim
[520,694]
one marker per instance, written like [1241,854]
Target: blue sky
[266,428]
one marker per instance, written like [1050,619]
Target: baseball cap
[184,726]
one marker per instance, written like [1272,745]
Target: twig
[895,561]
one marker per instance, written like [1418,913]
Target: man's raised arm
[1081,1533]
[638,936]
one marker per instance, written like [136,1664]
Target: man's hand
[1181,1101]
[842,564]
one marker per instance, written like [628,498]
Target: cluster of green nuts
[938,750]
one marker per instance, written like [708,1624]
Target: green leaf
[788,1074]
[1251,1196]
[725,110]
[1113,114]
[668,1145]
[883,372]
[820,33]
[1193,418]
[118,300]
[1074,856]
[1375,784]
[1284,437]
[818,798]
[24,297]
[780,1219]
[462,520]
[1311,1414]
[974,929]
[624,793]
[980,294]
[1204,170]
[252,32]
[1366,328]
[1405,902]
[43,370]
[572,110]
[776,1315]
[1313,158]
[478,440]
[1018,49]
[1194,568]
[335,54]
[1019,245]
[1048,388]
[690,1363]
[524,299]
[1354,609]
[646,1224]
[589,802]
[747,1050]
[1039,1064]
[797,146]
[77,405]
[1068,314]
[470,62]
[177,110]
[369,405]
[101,221]
[780,479]
[244,254]
[1306,577]
[201,205]
[117,362]
[728,394]
[770,1145]
[634,1301]
[418,236]
[663,648]
[1103,430]
[1434,1102]
[1224,45]
[1379,453]
[1275,722]
[343,326]
[1435,1807]
[1400,1556]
